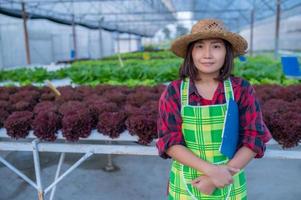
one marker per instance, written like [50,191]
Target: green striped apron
[202,128]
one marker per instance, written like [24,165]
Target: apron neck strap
[185,91]
[229,94]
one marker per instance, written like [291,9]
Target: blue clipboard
[231,130]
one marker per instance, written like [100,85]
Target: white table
[96,143]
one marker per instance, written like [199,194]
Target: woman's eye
[217,46]
[199,46]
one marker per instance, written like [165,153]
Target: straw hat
[209,28]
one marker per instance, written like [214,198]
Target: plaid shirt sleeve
[169,120]
[254,134]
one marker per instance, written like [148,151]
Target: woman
[197,115]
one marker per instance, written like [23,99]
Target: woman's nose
[207,51]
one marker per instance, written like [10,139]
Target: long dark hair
[188,69]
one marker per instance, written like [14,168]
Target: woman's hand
[204,184]
[220,175]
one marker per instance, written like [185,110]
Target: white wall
[61,46]
[50,42]
[41,47]
[94,48]
[12,45]
[264,34]
[108,43]
[127,43]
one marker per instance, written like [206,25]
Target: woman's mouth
[207,64]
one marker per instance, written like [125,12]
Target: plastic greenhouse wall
[51,42]
[127,43]
[10,36]
[264,35]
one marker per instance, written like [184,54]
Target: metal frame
[145,10]
[124,145]
[146,17]
[112,9]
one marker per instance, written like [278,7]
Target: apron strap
[184,91]
[229,94]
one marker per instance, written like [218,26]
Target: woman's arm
[242,157]
[220,175]
[186,157]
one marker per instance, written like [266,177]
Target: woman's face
[209,55]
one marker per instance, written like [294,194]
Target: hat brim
[239,44]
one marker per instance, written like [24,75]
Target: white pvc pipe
[36,159]
[61,160]
[18,172]
[85,157]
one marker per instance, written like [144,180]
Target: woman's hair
[188,69]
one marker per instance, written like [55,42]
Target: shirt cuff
[256,144]
[164,143]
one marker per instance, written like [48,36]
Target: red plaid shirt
[253,131]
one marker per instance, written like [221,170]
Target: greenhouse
[94,93]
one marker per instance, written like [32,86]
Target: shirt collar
[193,89]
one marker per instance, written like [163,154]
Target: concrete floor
[138,177]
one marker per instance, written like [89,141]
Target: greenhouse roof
[145,17]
